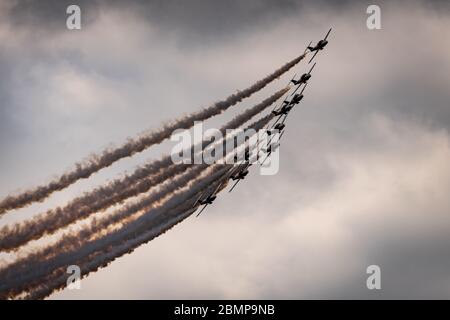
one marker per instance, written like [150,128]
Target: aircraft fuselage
[297,98]
[319,46]
[208,200]
[305,77]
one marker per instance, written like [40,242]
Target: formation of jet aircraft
[241,170]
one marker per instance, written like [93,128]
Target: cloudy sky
[365,169]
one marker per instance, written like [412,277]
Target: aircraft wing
[280,118]
[275,123]
[303,88]
[310,70]
[282,121]
[207,193]
[220,185]
[315,53]
[235,169]
[292,78]
[234,185]
[279,138]
[204,207]
[268,155]
[328,33]
[307,47]
[287,95]
[245,166]
[277,145]
[296,89]
[210,194]
[225,178]
[201,196]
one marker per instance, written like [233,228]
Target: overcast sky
[365,170]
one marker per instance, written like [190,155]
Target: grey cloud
[399,73]
[48,15]
[200,22]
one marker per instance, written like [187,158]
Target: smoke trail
[12,237]
[75,240]
[102,259]
[85,169]
[19,281]
[129,209]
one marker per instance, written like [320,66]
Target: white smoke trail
[19,234]
[85,169]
